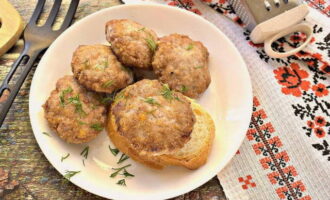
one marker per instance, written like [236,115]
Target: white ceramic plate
[228,100]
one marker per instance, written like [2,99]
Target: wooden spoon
[11,26]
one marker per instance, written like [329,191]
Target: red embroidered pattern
[247,182]
[273,158]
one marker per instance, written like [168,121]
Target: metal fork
[37,39]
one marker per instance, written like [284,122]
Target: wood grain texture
[19,152]
[11,26]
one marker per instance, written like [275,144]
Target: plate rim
[217,169]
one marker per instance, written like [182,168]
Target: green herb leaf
[117,170]
[81,122]
[65,157]
[107,84]
[190,47]
[97,127]
[103,65]
[84,153]
[142,29]
[106,100]
[122,158]
[69,174]
[83,161]
[45,133]
[151,44]
[77,103]
[121,182]
[168,94]
[151,101]
[127,174]
[184,88]
[199,66]
[114,151]
[63,93]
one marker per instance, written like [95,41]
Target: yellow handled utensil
[11,26]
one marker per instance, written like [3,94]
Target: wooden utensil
[11,26]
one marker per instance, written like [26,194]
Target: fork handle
[32,55]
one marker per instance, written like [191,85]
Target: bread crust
[193,161]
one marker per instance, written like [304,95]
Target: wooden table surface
[29,172]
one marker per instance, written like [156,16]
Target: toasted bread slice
[194,153]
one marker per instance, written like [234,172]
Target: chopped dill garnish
[122,158]
[142,29]
[45,133]
[114,151]
[190,47]
[81,122]
[127,174]
[167,93]
[103,65]
[122,182]
[117,170]
[107,84]
[184,88]
[198,67]
[151,101]
[77,103]
[63,93]
[151,44]
[97,127]
[69,174]
[106,100]
[84,152]
[65,157]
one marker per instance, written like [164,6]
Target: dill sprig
[69,174]
[122,158]
[63,93]
[198,67]
[167,93]
[107,84]
[77,103]
[190,47]
[65,157]
[127,174]
[45,133]
[117,170]
[114,151]
[184,88]
[151,101]
[84,152]
[122,182]
[103,65]
[151,44]
[97,127]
